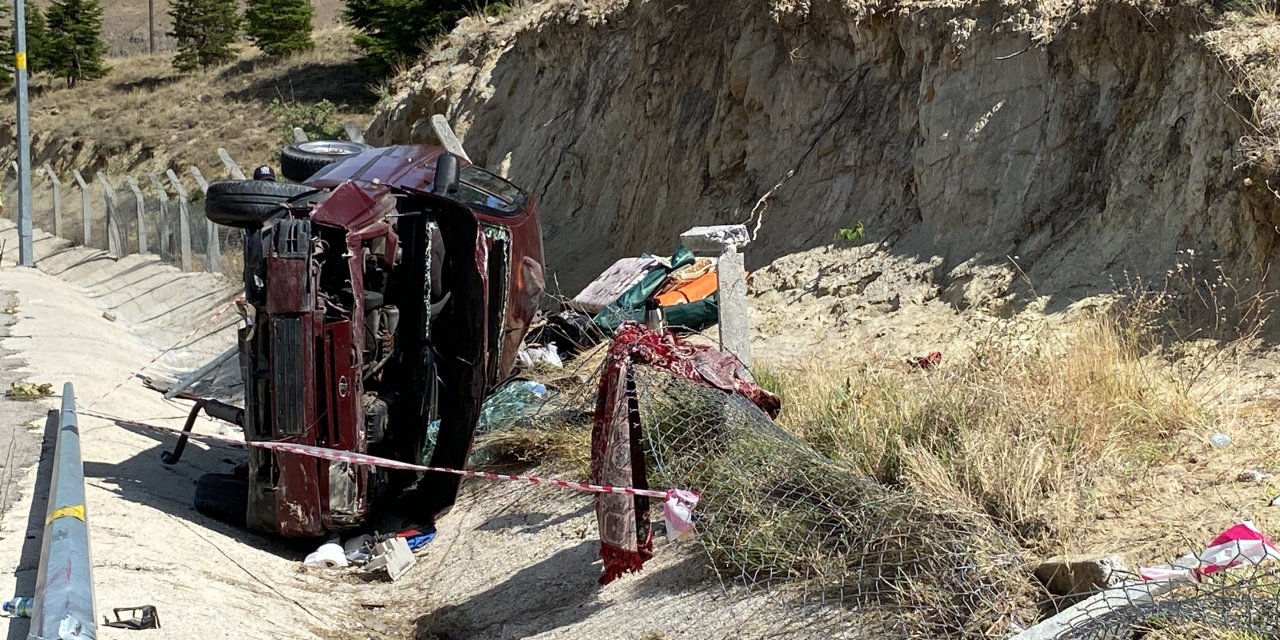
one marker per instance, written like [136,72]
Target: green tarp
[692,316]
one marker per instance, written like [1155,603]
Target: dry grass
[1248,43]
[1020,427]
[145,116]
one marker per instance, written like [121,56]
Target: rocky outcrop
[1082,142]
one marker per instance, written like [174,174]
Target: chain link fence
[141,214]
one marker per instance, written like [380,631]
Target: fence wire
[154,227]
[843,555]
[1239,604]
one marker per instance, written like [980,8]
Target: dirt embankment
[1084,140]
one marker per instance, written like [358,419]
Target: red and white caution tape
[677,507]
[1242,544]
[144,367]
[375,461]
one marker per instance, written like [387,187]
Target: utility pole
[151,25]
[26,257]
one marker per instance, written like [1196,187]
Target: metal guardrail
[63,607]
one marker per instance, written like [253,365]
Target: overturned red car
[387,291]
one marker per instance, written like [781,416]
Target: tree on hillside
[37,39]
[393,32]
[74,47]
[205,31]
[279,27]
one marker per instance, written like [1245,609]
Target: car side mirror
[446,178]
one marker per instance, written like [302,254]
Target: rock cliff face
[1085,141]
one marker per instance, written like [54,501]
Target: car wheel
[302,160]
[223,497]
[248,204]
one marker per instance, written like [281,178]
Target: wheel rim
[329,148]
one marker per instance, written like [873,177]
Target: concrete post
[113,231]
[213,251]
[141,209]
[214,245]
[353,132]
[162,221]
[184,219]
[84,208]
[233,169]
[183,232]
[57,199]
[724,242]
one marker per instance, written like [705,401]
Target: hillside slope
[1082,140]
[146,116]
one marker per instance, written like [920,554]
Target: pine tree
[392,32]
[280,27]
[205,31]
[37,37]
[74,47]
[37,40]
[6,45]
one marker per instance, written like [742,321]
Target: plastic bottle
[18,608]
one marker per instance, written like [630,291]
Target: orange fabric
[691,291]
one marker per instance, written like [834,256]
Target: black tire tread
[223,497]
[248,203]
[299,165]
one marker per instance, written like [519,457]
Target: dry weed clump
[1247,40]
[776,514]
[1018,427]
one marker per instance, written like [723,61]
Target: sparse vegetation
[1016,428]
[206,31]
[318,120]
[394,33]
[280,27]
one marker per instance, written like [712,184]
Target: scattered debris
[1253,475]
[548,356]
[11,309]
[358,549]
[616,280]
[108,316]
[18,607]
[28,391]
[1275,502]
[330,555]
[392,556]
[926,362]
[1220,440]
[1073,575]
[144,617]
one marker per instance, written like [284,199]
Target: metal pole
[63,605]
[26,255]
[151,26]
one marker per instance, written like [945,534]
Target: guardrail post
[63,606]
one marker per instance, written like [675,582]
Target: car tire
[223,497]
[300,161]
[248,204]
